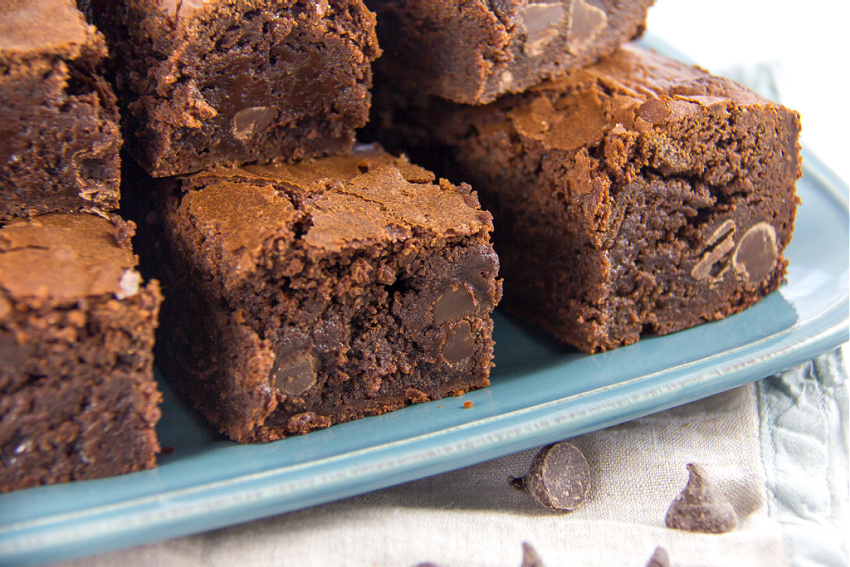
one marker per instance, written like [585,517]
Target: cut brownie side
[638,195]
[307,295]
[59,134]
[473,52]
[211,83]
[77,394]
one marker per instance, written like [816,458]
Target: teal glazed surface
[541,392]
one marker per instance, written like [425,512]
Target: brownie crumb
[700,508]
[559,477]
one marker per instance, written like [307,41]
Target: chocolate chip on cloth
[530,557]
[659,558]
[559,477]
[700,508]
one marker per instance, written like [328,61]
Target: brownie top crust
[327,206]
[60,258]
[31,28]
[635,89]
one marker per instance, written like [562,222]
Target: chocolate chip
[756,255]
[459,344]
[559,477]
[659,558]
[530,557]
[586,22]
[253,120]
[718,245]
[456,303]
[294,374]
[540,23]
[699,508]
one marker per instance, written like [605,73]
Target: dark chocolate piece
[700,508]
[559,477]
[473,52]
[636,196]
[59,135]
[659,558]
[530,557]
[77,394]
[322,292]
[225,83]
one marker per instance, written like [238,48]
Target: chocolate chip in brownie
[756,255]
[700,508]
[587,22]
[718,245]
[559,477]
[250,121]
[460,344]
[539,21]
[530,557]
[295,373]
[456,303]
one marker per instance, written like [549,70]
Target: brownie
[59,134]
[77,394]
[473,51]
[306,295]
[636,196]
[218,82]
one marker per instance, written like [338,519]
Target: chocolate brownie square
[306,295]
[77,394]
[221,82]
[475,51]
[636,196]
[59,134]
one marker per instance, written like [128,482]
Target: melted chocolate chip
[460,343]
[456,303]
[530,557]
[699,508]
[540,22]
[250,121]
[559,477]
[718,245]
[586,23]
[756,255]
[294,374]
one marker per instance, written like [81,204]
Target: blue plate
[541,392]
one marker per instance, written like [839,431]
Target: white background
[807,39]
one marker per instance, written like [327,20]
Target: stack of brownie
[77,394]
[632,194]
[307,281]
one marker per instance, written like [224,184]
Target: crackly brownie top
[41,27]
[635,88]
[328,205]
[60,258]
